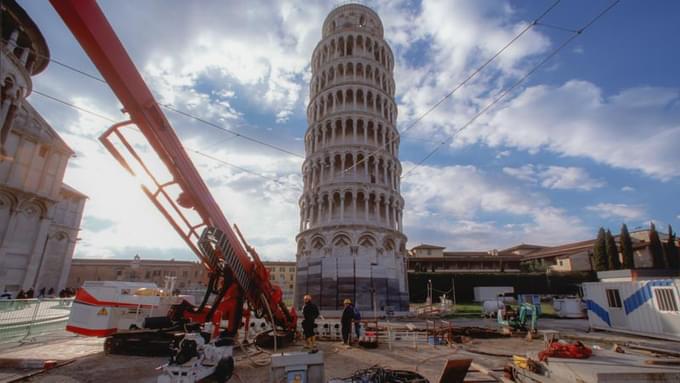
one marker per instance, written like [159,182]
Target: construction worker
[346,321]
[309,312]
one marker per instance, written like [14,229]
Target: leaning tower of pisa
[351,243]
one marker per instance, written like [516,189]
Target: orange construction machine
[238,280]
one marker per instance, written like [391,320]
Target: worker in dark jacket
[310,312]
[346,321]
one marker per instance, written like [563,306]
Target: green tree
[612,252]
[656,249]
[600,262]
[627,248]
[672,253]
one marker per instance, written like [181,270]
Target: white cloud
[262,47]
[620,210]
[504,153]
[555,177]
[218,58]
[628,189]
[636,129]
[446,205]
[524,172]
[456,37]
[560,177]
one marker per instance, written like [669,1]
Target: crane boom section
[191,195]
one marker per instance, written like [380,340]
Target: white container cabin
[486,293]
[640,302]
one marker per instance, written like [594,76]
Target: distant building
[282,274]
[39,214]
[189,275]
[431,258]
[577,256]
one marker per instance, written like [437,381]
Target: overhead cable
[460,85]
[498,98]
[91,112]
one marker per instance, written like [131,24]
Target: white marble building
[351,243]
[39,214]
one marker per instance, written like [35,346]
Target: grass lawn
[475,309]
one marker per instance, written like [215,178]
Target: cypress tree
[627,248]
[612,252]
[672,253]
[600,262]
[656,249]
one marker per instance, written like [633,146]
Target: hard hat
[347,301]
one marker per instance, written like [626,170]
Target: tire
[224,370]
[108,346]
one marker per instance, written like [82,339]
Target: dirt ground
[91,365]
[339,363]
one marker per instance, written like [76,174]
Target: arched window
[349,98]
[360,98]
[341,46]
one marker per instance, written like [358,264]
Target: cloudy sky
[591,139]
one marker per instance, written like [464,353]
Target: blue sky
[589,140]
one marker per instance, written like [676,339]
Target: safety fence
[24,319]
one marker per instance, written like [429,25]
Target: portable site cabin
[641,302]
[486,293]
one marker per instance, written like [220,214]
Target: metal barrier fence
[24,319]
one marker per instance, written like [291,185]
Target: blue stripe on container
[642,295]
[599,311]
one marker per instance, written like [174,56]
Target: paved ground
[91,365]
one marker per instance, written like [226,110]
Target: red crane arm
[182,197]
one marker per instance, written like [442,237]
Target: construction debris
[377,374]
[560,349]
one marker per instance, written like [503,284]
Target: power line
[74,106]
[278,181]
[227,130]
[79,108]
[167,106]
[566,42]
[460,85]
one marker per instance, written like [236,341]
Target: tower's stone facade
[350,243]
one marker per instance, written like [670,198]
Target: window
[665,299]
[613,298]
[292,277]
[291,269]
[429,252]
